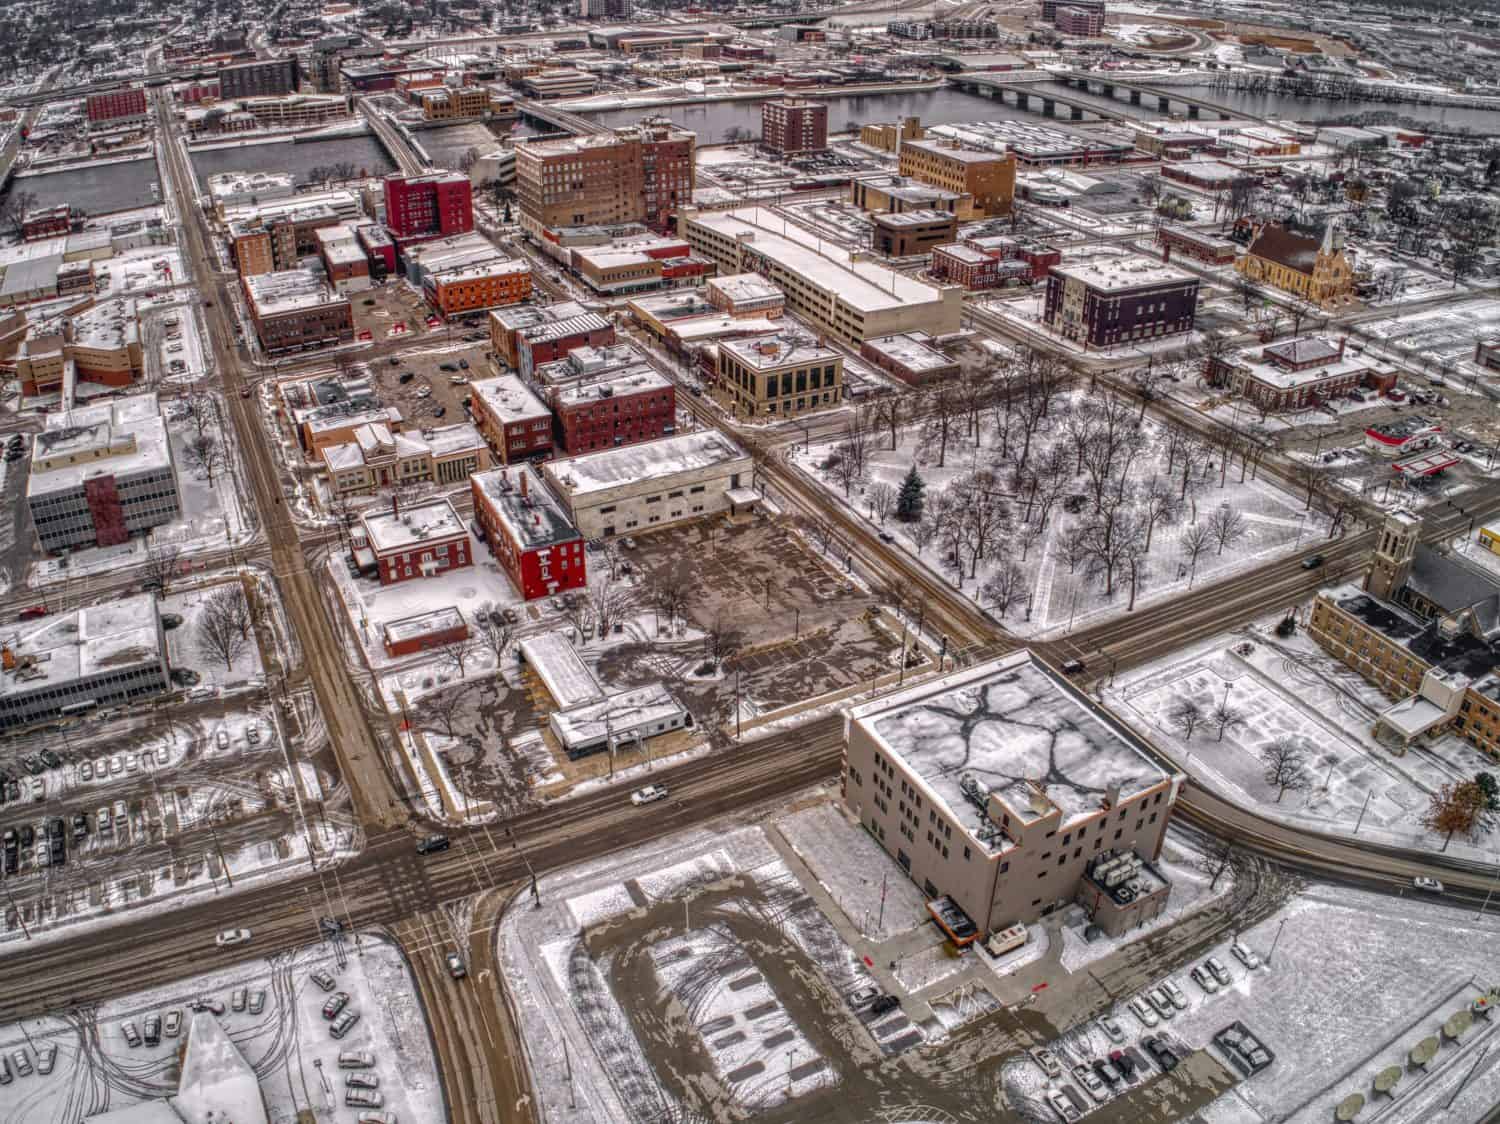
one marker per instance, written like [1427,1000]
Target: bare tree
[1226,525]
[1219,858]
[199,410]
[882,500]
[1156,505]
[493,631]
[720,642]
[1005,587]
[224,625]
[611,604]
[205,454]
[161,564]
[444,706]
[1194,540]
[670,594]
[1185,714]
[925,529]
[1285,766]
[455,653]
[889,413]
[1225,717]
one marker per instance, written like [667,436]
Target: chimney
[1112,794]
[1342,341]
[395,506]
[1166,252]
[525,491]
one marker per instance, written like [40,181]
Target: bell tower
[1394,554]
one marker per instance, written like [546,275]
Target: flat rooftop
[509,399]
[527,507]
[911,351]
[621,713]
[117,635]
[412,523]
[289,290]
[1123,274]
[743,288]
[950,151]
[1328,359]
[639,379]
[669,456]
[119,438]
[1012,728]
[783,350]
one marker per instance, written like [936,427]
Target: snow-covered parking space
[271,1012]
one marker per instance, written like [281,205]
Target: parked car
[1218,971]
[1047,1060]
[22,1062]
[344,1024]
[884,1005]
[1245,955]
[172,1027]
[1175,994]
[406,377]
[335,1004]
[46,1058]
[356,1059]
[1144,1011]
[153,1030]
[257,1001]
[376,1118]
[1160,1003]
[231,937]
[323,980]
[1204,979]
[1063,1105]
[1090,1081]
[50,759]
[5,1075]
[363,1098]
[361,1080]
[1112,1028]
[207,1003]
[237,999]
[1160,1053]
[132,1035]
[1124,1063]
[1108,1072]
[648,795]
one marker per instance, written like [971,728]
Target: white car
[1175,994]
[1086,1077]
[1245,955]
[1204,980]
[1431,885]
[1066,1110]
[648,795]
[231,937]
[1160,1002]
[1220,973]
[1143,1011]
[1047,1060]
[1112,1028]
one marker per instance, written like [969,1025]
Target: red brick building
[984,263]
[432,206]
[48,222]
[793,126]
[516,423]
[415,634]
[528,531]
[1195,244]
[637,405]
[116,107]
[1087,21]
[379,248]
[412,541]
[546,342]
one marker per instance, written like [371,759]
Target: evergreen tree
[909,499]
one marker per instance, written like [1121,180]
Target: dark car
[28,835]
[447,367]
[1312,563]
[464,364]
[433,844]
[33,765]
[55,828]
[1073,667]
[50,759]
[1160,1053]
[1123,1062]
[407,376]
[440,411]
[883,1005]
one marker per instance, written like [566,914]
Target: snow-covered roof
[289,290]
[699,328]
[423,624]
[673,305]
[120,437]
[1328,361]
[517,497]
[558,665]
[650,460]
[339,201]
[509,399]
[639,379]
[1122,274]
[115,636]
[145,1112]
[949,151]
[746,289]
[911,350]
[217,1086]
[1015,728]
[788,349]
[408,524]
[618,715]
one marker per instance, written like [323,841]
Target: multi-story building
[1006,794]
[528,531]
[1296,374]
[472,288]
[430,206]
[794,126]
[845,294]
[102,473]
[559,82]
[897,194]
[1050,7]
[412,540]
[654,484]
[116,107]
[294,309]
[238,189]
[989,178]
[638,173]
[912,232]
[888,136]
[544,342]
[294,111]
[1079,20]
[378,248]
[1037,146]
[1487,354]
[261,78]
[636,405]
[604,9]
[101,655]
[780,376]
[506,323]
[381,458]
[344,259]
[745,295]
[516,423]
[452,103]
[101,344]
[46,222]
[280,238]
[1118,300]
[1196,244]
[910,357]
[1317,270]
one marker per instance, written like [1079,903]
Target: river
[946,106]
[283,155]
[98,189]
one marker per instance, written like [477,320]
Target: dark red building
[381,250]
[546,342]
[410,541]
[433,206]
[636,405]
[528,531]
[1120,300]
[117,105]
[792,126]
[48,222]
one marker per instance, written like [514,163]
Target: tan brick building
[780,376]
[988,177]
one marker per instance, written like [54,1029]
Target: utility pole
[736,704]
[1362,808]
[1274,942]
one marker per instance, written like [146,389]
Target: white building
[234,189]
[616,720]
[104,654]
[654,484]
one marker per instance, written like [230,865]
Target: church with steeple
[1319,270]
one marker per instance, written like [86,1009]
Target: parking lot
[433,371]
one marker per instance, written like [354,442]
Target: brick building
[529,532]
[516,423]
[116,107]
[294,310]
[984,263]
[506,323]
[379,456]
[424,631]
[780,376]
[101,344]
[344,259]
[1075,19]
[794,126]
[911,357]
[1000,788]
[455,103]
[1296,374]
[1317,270]
[912,232]
[1119,300]
[988,178]
[545,342]
[638,173]
[261,78]
[46,222]
[412,540]
[1196,244]
[745,295]
[430,206]
[639,405]
[470,288]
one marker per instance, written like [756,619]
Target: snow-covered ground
[286,1042]
[1055,597]
[1290,688]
